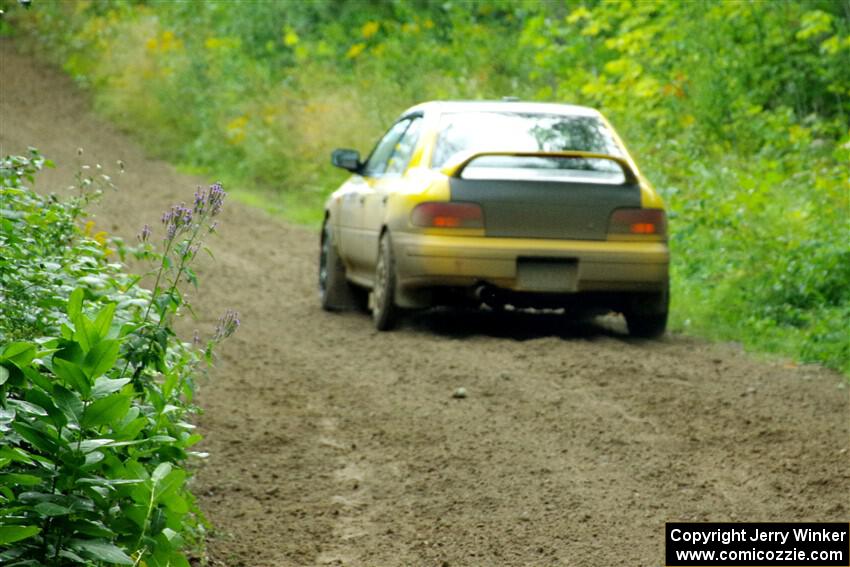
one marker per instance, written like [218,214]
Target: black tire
[646,315]
[335,293]
[384,310]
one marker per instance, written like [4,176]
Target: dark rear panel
[545,209]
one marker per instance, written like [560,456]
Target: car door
[349,215]
[383,184]
[360,237]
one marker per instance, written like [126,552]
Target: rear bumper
[461,261]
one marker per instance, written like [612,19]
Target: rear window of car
[519,132]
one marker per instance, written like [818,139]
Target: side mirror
[346,159]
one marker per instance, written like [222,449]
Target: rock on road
[333,444]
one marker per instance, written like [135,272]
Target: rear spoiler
[456,165]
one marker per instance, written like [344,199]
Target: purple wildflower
[227,325]
[200,201]
[215,198]
[145,234]
[177,219]
[196,338]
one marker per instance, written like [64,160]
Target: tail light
[638,221]
[448,215]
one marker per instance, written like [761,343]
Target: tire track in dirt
[574,446]
[350,500]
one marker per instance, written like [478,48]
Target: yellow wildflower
[355,50]
[222,43]
[166,42]
[290,38]
[369,29]
[236,130]
[169,42]
[798,134]
[580,13]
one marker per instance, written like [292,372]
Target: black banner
[758,544]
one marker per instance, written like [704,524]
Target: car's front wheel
[384,309]
[646,315]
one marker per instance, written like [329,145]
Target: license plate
[545,274]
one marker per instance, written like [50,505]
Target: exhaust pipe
[488,295]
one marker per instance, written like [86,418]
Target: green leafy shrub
[39,266]
[95,388]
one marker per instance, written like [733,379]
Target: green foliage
[95,389]
[39,267]
[738,111]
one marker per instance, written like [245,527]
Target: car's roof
[452,106]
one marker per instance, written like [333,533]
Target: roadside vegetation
[737,111]
[96,390]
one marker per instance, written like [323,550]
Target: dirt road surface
[331,444]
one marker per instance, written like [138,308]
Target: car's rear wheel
[384,309]
[335,292]
[646,314]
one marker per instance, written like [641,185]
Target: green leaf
[101,550]
[92,459]
[27,407]
[67,332]
[19,354]
[4,375]
[176,503]
[34,437]
[72,375]
[132,428]
[85,333]
[40,399]
[172,483]
[42,381]
[50,509]
[137,513]
[160,472]
[101,358]
[68,554]
[91,528]
[104,386]
[103,321]
[10,534]
[70,350]
[75,305]
[70,404]
[91,444]
[15,454]
[112,482]
[7,415]
[106,410]
[20,479]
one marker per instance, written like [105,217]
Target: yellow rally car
[499,204]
